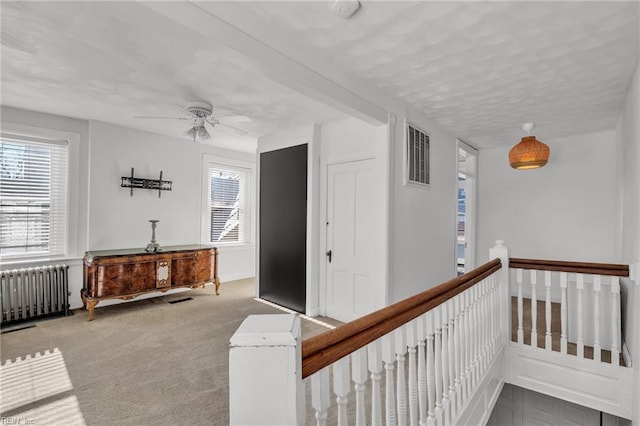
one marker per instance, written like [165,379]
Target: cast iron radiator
[34,292]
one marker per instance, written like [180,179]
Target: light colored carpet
[144,362]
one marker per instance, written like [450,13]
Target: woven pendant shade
[530,153]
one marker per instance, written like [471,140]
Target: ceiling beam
[271,62]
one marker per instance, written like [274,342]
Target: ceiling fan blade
[237,130]
[162,118]
[235,118]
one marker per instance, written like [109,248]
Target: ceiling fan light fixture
[203,134]
[530,153]
[192,133]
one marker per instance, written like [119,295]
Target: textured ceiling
[112,61]
[480,69]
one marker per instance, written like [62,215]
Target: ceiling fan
[199,113]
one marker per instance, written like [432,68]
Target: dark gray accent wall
[283,227]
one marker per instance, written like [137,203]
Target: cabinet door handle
[329,253]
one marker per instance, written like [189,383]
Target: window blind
[33,196]
[227,204]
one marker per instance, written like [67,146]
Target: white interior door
[350,239]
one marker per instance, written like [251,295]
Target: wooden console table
[125,274]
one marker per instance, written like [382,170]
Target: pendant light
[530,153]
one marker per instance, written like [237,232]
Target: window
[417,156]
[228,220]
[33,196]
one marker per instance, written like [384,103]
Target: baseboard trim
[235,277]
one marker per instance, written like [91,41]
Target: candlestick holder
[153,246]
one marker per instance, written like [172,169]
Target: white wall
[108,217]
[118,220]
[628,144]
[417,226]
[353,140]
[565,210]
[423,220]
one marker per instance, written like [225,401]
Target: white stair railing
[442,356]
[580,362]
[587,309]
[423,359]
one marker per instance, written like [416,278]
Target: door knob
[329,255]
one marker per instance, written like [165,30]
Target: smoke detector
[345,8]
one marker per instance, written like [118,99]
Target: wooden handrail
[575,267]
[325,349]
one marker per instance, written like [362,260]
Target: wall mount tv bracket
[134,182]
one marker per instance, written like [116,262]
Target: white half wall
[565,210]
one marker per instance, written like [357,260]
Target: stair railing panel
[586,309]
[579,361]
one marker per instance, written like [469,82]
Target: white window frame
[73,177]
[208,161]
[407,157]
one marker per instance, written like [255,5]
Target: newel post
[265,372]
[502,252]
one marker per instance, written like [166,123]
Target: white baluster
[437,355]
[473,334]
[487,323]
[484,324]
[580,286]
[320,395]
[563,313]
[615,320]
[452,356]
[388,357]
[446,402]
[534,308]
[401,390]
[431,380]
[493,309]
[359,377]
[497,308]
[467,345]
[547,310]
[503,314]
[422,370]
[341,382]
[520,308]
[478,332]
[374,356]
[412,341]
[597,353]
[458,353]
